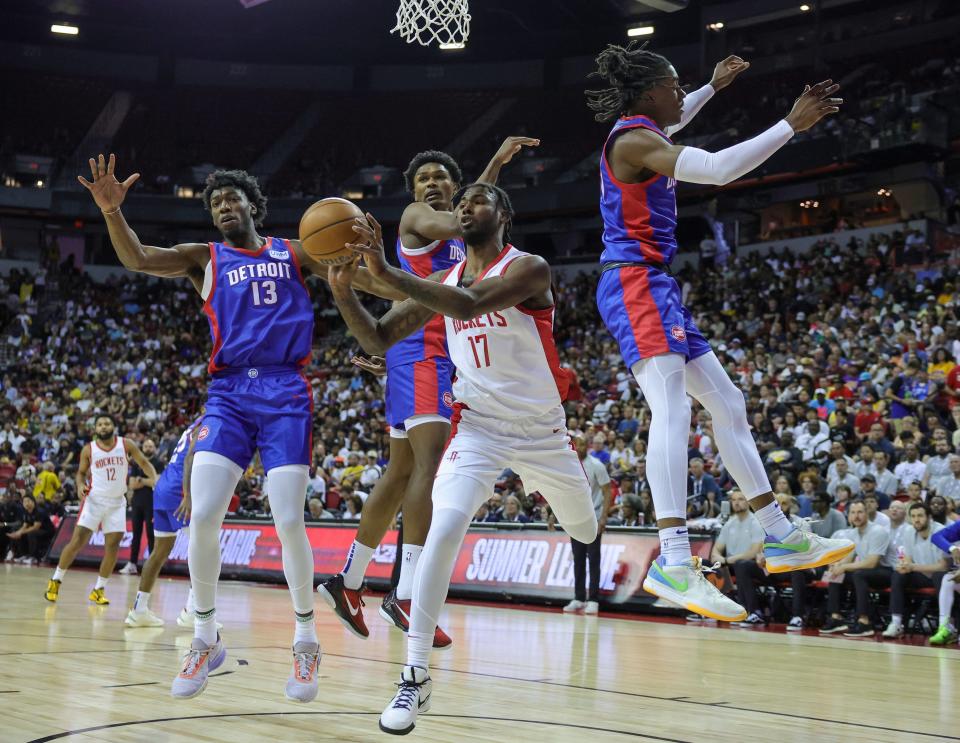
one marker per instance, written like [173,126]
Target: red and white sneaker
[346,603]
[397,612]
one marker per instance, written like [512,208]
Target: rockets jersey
[258,307]
[429,341]
[639,219]
[168,491]
[507,363]
[108,472]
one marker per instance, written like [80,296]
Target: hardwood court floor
[72,671]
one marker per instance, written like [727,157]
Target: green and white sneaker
[686,586]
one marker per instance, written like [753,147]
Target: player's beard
[104,436]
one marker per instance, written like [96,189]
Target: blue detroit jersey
[259,309]
[431,340]
[168,492]
[639,219]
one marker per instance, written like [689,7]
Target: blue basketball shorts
[423,388]
[642,308]
[265,408]
[166,500]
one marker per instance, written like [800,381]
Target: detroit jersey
[258,307]
[639,219]
[168,491]
[507,363]
[429,341]
[108,472]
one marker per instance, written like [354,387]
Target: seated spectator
[35,532]
[354,505]
[842,498]
[922,565]
[703,493]
[887,482]
[631,508]
[601,411]
[599,449]
[809,487]
[937,506]
[864,464]
[827,520]
[937,467]
[814,442]
[737,546]
[837,454]
[350,475]
[785,457]
[866,568]
[11,519]
[911,468]
[371,471]
[949,485]
[47,482]
[316,511]
[874,515]
[483,513]
[511,513]
[868,486]
[843,477]
[646,513]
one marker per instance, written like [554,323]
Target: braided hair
[630,70]
[503,203]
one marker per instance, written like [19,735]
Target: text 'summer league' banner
[523,564]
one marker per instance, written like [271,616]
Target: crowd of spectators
[847,360]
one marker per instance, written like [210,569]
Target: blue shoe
[686,586]
[803,550]
[199,660]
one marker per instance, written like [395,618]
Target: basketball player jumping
[498,310]
[418,395]
[640,303]
[102,484]
[261,322]
[171,511]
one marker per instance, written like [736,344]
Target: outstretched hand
[727,70]
[376,365]
[106,190]
[511,146]
[341,275]
[813,104]
[370,244]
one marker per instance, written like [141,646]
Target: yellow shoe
[97,597]
[53,590]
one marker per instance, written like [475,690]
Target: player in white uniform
[498,307]
[102,485]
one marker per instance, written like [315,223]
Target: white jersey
[507,363]
[108,472]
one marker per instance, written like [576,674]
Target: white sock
[773,521]
[897,619]
[408,566]
[419,645]
[58,574]
[674,544]
[205,626]
[306,629]
[355,567]
[101,581]
[142,602]
[191,606]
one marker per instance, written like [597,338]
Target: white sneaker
[803,550]
[592,607]
[795,624]
[412,697]
[303,683]
[128,569]
[684,584]
[145,618]
[10,556]
[893,630]
[574,606]
[185,619]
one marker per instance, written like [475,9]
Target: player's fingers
[528,141]
[111,164]
[101,165]
[376,225]
[130,181]
[93,168]
[84,182]
[831,90]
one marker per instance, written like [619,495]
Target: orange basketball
[325,229]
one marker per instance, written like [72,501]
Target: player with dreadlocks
[640,303]
[261,322]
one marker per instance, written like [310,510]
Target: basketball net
[446,22]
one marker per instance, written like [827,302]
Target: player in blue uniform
[171,511]
[948,539]
[641,306]
[419,396]
[261,322]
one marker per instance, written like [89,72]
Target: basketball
[325,229]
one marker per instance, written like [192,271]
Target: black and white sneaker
[795,624]
[859,629]
[754,620]
[832,626]
[412,698]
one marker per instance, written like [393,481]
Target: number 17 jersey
[258,307]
